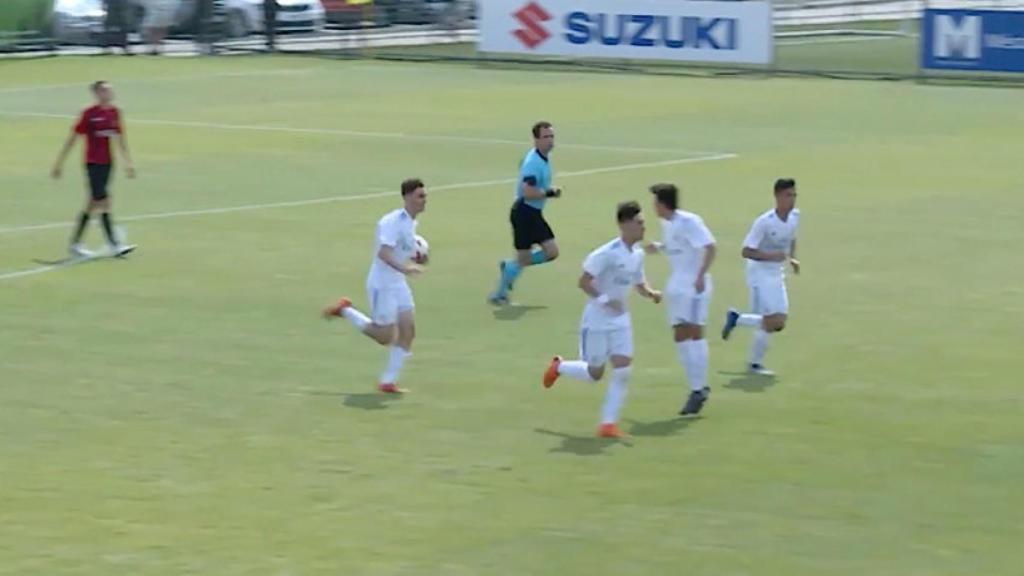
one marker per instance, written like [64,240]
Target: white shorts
[388,302]
[687,307]
[768,296]
[598,346]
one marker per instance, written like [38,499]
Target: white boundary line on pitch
[330,199]
[362,134]
[213,75]
[840,40]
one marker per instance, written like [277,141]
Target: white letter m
[954,40]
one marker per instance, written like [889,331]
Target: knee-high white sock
[699,354]
[685,355]
[693,355]
[357,318]
[575,369]
[758,346]
[618,387]
[396,357]
[750,320]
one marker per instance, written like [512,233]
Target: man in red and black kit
[98,124]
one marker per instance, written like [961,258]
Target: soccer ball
[422,249]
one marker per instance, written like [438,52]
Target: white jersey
[771,234]
[684,238]
[398,230]
[616,269]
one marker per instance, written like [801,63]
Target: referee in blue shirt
[529,229]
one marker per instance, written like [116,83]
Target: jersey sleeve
[755,236]
[388,235]
[698,235]
[595,263]
[530,173]
[116,122]
[82,126]
[641,276]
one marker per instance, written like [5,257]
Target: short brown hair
[626,211]
[95,86]
[667,195]
[540,126]
[784,184]
[411,185]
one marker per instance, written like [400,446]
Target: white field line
[362,134]
[351,198]
[213,75]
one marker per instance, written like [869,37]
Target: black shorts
[528,226]
[99,177]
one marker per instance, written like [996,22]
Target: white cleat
[122,250]
[760,370]
[79,251]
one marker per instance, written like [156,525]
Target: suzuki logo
[531,16]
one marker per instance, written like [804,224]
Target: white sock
[575,369]
[758,346]
[685,355]
[699,361]
[693,355]
[750,320]
[616,395]
[396,357]
[357,318]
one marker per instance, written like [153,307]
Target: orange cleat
[391,389]
[337,309]
[610,431]
[551,374]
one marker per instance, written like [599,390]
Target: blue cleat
[731,317]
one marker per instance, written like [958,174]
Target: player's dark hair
[784,184]
[411,185]
[667,195]
[627,211]
[95,86]
[540,126]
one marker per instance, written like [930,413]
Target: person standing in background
[115,26]
[270,23]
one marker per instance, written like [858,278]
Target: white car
[246,16]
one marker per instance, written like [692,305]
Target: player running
[529,228]
[769,245]
[391,322]
[606,331]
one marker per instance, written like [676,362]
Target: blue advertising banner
[975,40]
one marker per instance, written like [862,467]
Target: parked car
[82,21]
[78,21]
[348,13]
[246,16]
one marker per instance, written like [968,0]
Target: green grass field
[187,412]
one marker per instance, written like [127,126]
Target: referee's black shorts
[99,178]
[528,226]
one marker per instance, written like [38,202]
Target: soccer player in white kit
[769,245]
[391,322]
[690,248]
[606,330]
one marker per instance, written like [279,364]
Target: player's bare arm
[793,262]
[69,143]
[586,284]
[763,255]
[129,165]
[710,251]
[646,291]
[387,255]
